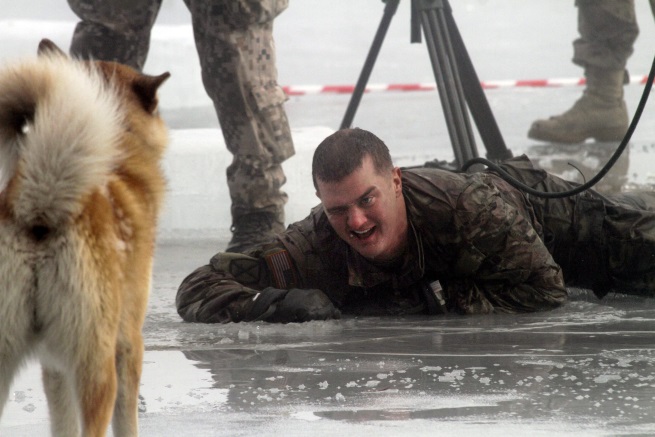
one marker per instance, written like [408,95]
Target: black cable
[551,195]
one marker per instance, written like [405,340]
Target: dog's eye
[22,121]
[27,122]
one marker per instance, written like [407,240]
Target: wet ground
[586,368]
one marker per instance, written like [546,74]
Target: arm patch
[281,268]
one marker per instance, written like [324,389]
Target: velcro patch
[281,268]
[245,271]
[244,268]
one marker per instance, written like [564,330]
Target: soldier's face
[367,210]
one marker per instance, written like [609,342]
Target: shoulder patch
[281,268]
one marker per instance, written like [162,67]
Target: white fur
[70,147]
[68,150]
[8,160]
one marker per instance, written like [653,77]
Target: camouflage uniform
[234,39]
[608,30]
[492,248]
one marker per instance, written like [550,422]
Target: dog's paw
[142,404]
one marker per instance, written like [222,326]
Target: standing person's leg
[235,44]
[608,30]
[114,30]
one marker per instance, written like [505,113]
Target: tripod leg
[448,80]
[475,97]
[389,11]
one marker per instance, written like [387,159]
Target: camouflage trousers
[608,30]
[234,40]
[605,243]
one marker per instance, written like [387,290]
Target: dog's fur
[80,190]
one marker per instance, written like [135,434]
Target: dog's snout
[39,233]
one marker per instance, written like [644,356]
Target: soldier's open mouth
[362,235]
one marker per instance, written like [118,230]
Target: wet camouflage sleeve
[208,296]
[502,265]
[226,290]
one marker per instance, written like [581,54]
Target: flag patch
[281,268]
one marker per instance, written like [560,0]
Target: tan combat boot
[600,113]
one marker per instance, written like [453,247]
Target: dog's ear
[47,47]
[145,87]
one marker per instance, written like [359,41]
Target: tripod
[456,79]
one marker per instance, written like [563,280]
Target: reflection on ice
[26,402]
[173,383]
[572,382]
[170,383]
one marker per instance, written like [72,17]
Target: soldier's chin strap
[628,135]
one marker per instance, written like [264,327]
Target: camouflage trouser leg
[606,243]
[608,30]
[235,44]
[630,229]
[611,242]
[114,30]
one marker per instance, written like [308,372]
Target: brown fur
[79,295]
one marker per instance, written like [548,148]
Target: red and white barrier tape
[301,90]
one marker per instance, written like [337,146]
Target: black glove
[302,306]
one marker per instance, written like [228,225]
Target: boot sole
[600,135]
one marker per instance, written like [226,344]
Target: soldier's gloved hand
[302,306]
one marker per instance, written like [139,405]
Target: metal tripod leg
[475,96]
[449,84]
[389,11]
[456,80]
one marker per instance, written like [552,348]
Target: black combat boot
[254,229]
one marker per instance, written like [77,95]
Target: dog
[81,186]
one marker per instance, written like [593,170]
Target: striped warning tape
[301,90]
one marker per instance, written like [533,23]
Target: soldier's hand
[302,306]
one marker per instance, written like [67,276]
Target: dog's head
[103,114]
[141,87]
[137,91]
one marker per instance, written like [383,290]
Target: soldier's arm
[208,295]
[235,288]
[504,265]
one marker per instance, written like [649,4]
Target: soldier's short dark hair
[343,152]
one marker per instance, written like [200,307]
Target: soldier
[234,39]
[608,30]
[428,241]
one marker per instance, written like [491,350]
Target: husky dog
[80,190]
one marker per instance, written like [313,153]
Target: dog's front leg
[129,359]
[96,377]
[62,403]
[8,367]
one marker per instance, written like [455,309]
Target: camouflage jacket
[481,242]
[491,247]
